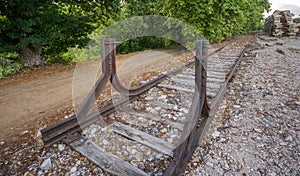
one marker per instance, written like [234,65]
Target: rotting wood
[217,71]
[213,85]
[161,104]
[184,76]
[143,138]
[157,118]
[183,81]
[211,94]
[216,80]
[220,76]
[180,89]
[210,73]
[105,160]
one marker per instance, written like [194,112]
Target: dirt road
[45,94]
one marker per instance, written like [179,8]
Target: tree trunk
[31,56]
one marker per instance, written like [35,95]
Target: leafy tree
[218,19]
[296,20]
[36,29]
[215,19]
[132,8]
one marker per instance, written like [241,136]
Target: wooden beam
[107,161]
[143,138]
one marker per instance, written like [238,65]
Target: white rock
[162,97]
[258,130]
[151,110]
[288,139]
[170,140]
[46,165]
[210,164]
[97,170]
[185,110]
[154,77]
[158,156]
[283,143]
[40,173]
[61,147]
[175,108]
[38,134]
[222,140]
[93,131]
[133,151]
[143,82]
[139,156]
[174,118]
[23,133]
[74,169]
[105,142]
[164,130]
[216,134]
[237,106]
[67,116]
[158,108]
[148,98]
[2,143]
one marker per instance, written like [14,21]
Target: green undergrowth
[9,65]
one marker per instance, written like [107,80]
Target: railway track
[156,128]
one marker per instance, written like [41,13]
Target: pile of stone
[280,23]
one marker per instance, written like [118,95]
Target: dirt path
[43,93]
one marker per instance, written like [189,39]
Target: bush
[9,65]
[63,58]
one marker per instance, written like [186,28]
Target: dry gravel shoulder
[257,129]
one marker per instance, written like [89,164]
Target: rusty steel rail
[64,130]
[199,115]
[198,110]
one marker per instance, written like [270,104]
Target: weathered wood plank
[216,80]
[184,81]
[191,73]
[157,118]
[220,76]
[208,85]
[106,161]
[226,62]
[162,104]
[213,86]
[217,70]
[186,76]
[143,138]
[220,65]
[211,94]
[210,73]
[180,89]
[230,56]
